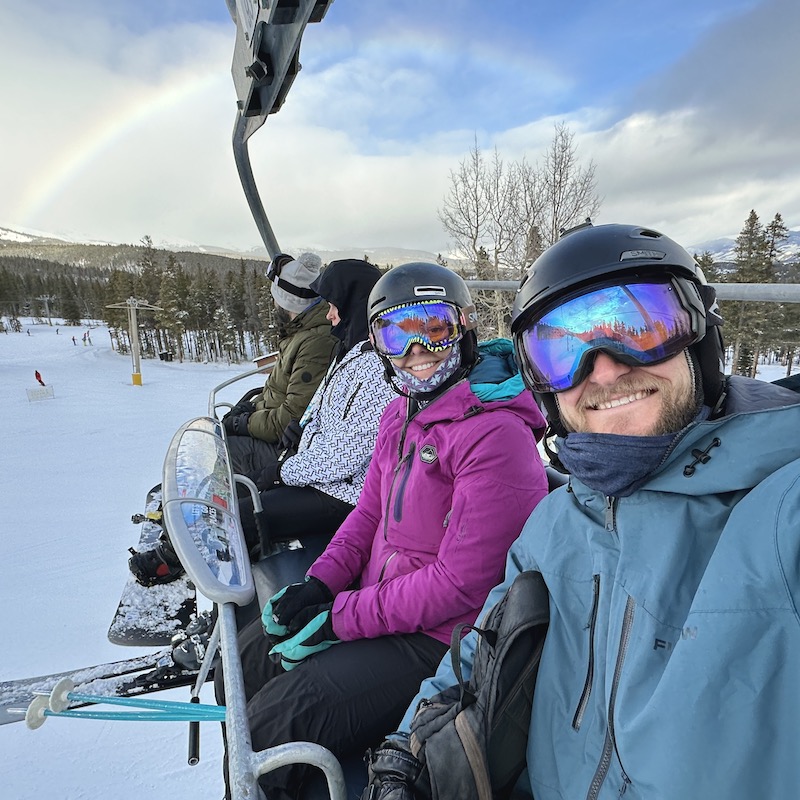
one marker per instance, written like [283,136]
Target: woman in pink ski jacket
[454,476]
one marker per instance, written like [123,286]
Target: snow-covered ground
[74,469]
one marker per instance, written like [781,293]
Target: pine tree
[172,297]
[147,286]
[205,299]
[777,233]
[786,315]
[706,262]
[120,288]
[749,322]
[70,308]
[235,308]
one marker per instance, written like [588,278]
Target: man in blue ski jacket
[671,668]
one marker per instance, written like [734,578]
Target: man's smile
[620,401]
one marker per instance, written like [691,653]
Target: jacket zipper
[400,461]
[611,523]
[386,564]
[401,489]
[587,685]
[610,743]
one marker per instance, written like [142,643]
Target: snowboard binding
[190,645]
[159,564]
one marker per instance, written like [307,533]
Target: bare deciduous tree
[502,215]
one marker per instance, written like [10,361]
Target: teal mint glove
[268,618]
[314,637]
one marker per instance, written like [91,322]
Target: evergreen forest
[206,309]
[216,308]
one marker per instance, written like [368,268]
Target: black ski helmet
[418,281]
[587,255]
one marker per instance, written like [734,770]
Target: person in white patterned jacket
[314,489]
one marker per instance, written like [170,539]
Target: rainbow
[46,188]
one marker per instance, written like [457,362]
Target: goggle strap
[297,291]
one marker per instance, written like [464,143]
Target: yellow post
[137,378]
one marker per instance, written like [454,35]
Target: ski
[19,693]
[153,672]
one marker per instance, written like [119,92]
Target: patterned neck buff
[446,368]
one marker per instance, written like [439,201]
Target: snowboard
[152,615]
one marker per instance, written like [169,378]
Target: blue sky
[116,117]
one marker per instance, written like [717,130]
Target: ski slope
[74,469]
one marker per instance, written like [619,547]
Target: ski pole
[62,694]
[38,711]
[193,710]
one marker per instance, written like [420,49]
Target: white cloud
[116,134]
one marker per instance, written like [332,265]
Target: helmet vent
[649,234]
[430,291]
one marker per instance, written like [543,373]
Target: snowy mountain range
[17,240]
[722,250]
[14,239]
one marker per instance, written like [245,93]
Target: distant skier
[38,377]
[74,342]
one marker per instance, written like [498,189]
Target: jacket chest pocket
[351,399]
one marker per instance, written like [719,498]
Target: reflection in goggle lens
[434,325]
[641,323]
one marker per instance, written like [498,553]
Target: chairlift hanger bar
[266,60]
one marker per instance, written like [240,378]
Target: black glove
[305,615]
[291,436]
[395,773]
[312,592]
[269,477]
[236,425]
[245,407]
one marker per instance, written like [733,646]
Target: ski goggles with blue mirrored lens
[434,325]
[635,323]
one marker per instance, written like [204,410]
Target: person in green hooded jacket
[255,427]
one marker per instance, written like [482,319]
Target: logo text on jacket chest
[690,632]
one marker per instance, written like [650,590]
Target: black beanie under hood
[347,283]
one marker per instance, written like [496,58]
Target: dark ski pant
[346,698]
[291,512]
[249,456]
